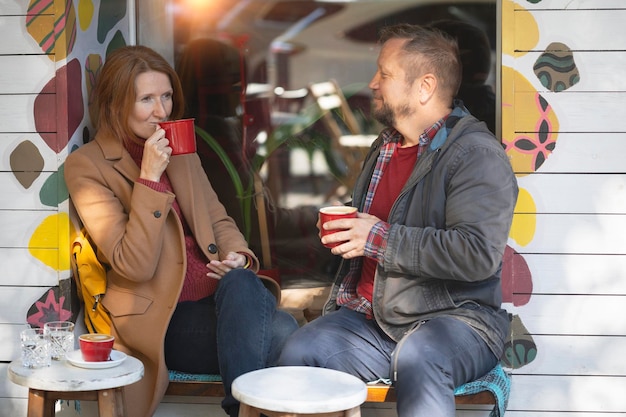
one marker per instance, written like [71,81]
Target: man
[417,297]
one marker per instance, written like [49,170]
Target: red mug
[96,347]
[334,213]
[181,135]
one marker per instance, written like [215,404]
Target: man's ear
[427,85]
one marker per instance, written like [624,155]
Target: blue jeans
[237,330]
[430,362]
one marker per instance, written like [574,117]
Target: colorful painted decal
[60,99]
[53,232]
[54,192]
[92,70]
[58,112]
[109,15]
[556,69]
[85,13]
[63,29]
[26,163]
[117,42]
[57,303]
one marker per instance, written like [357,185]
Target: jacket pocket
[121,303]
[405,299]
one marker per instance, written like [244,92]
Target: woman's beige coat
[140,236]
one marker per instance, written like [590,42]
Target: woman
[181,287]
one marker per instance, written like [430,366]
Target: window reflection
[246,67]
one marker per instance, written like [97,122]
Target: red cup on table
[181,134]
[334,213]
[96,347]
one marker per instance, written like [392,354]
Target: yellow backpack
[91,282]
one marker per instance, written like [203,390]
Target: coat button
[212,248]
[157,214]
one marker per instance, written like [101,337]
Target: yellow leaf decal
[525,219]
[50,242]
[85,13]
[526,30]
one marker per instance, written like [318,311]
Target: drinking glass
[61,336]
[35,348]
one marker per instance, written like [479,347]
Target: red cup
[181,135]
[96,347]
[334,213]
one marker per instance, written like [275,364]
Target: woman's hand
[220,268]
[156,156]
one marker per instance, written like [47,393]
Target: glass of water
[35,348]
[61,336]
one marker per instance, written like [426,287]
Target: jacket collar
[113,150]
[458,113]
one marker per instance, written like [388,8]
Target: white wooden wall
[34,221]
[25,70]
[577,254]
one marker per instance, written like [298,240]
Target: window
[230,43]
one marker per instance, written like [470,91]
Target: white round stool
[293,390]
[63,381]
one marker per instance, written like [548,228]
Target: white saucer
[76,359]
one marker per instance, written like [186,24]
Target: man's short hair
[429,50]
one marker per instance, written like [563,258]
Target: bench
[492,389]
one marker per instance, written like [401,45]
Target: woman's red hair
[114,95]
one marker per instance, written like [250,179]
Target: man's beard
[387,115]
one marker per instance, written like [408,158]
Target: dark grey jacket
[449,228]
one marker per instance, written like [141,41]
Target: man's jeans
[430,362]
[233,332]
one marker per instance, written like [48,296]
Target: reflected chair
[347,139]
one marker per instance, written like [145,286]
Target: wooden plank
[10,342]
[196,389]
[13,28]
[375,393]
[576,355]
[13,407]
[8,388]
[525,413]
[378,393]
[14,195]
[18,267]
[590,33]
[593,112]
[568,315]
[576,274]
[25,74]
[18,227]
[601,234]
[13,7]
[573,154]
[8,144]
[581,394]
[17,113]
[15,302]
[570,4]
[576,193]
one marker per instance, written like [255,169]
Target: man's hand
[354,236]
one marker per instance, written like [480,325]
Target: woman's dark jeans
[237,330]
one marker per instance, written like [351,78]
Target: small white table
[295,390]
[64,381]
